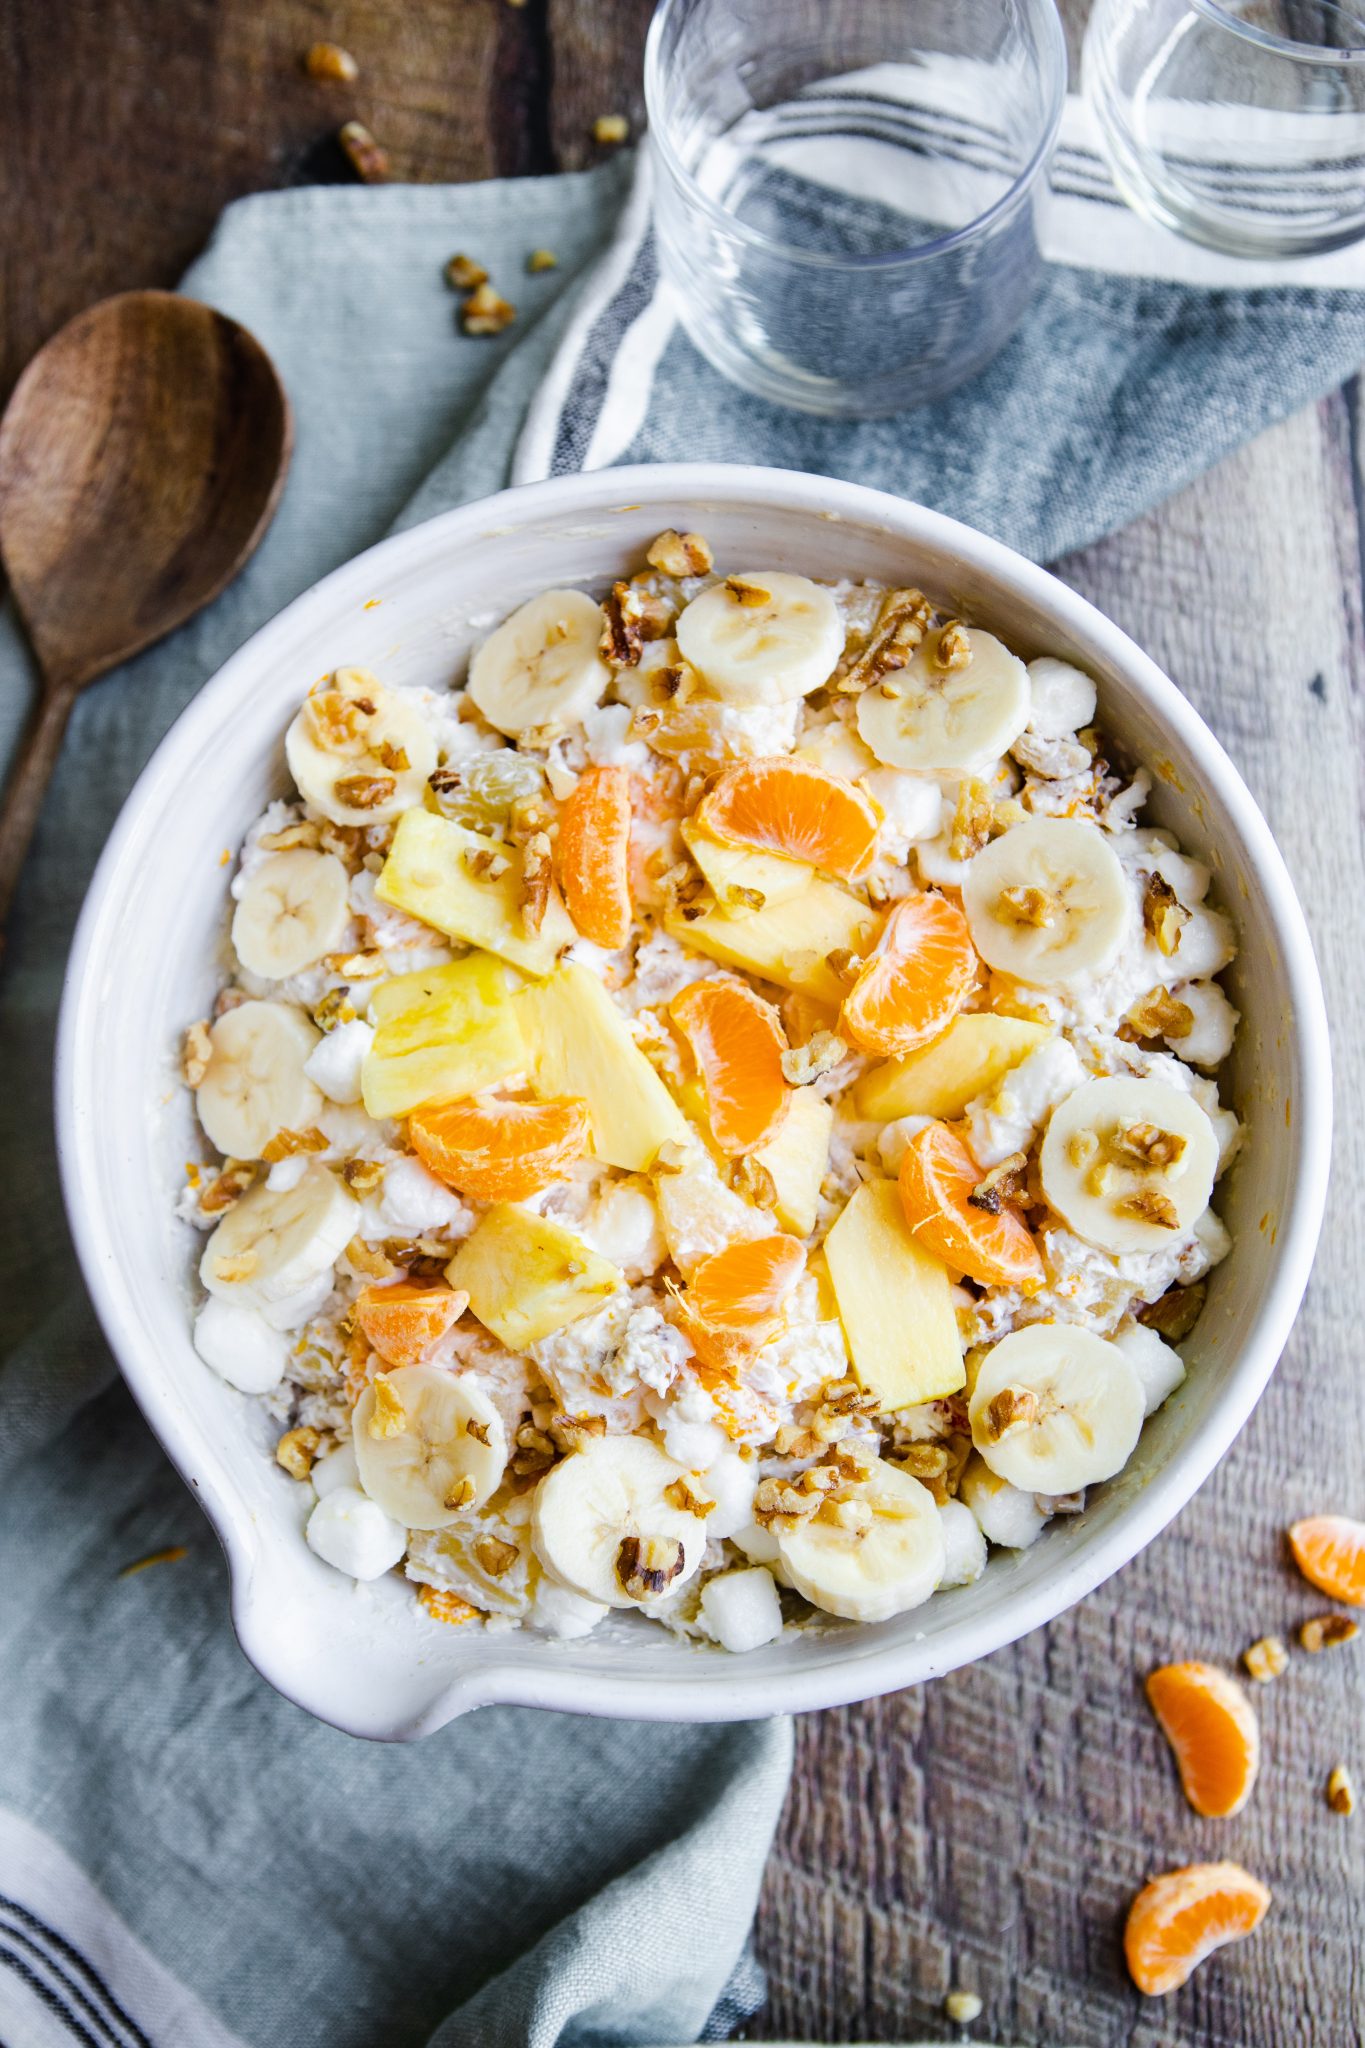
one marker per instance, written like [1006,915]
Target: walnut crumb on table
[610,128]
[329,61]
[485,311]
[1341,1791]
[962,2007]
[1266,1658]
[1327,1632]
[367,159]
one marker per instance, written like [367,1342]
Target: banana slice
[890,1564]
[762,638]
[1047,901]
[541,666]
[291,911]
[1055,1409]
[604,1526]
[255,1084]
[1129,1165]
[940,720]
[275,1243]
[359,753]
[430,1446]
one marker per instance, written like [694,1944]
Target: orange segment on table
[594,856]
[404,1321]
[499,1151]
[736,1298]
[1183,1915]
[938,1177]
[1212,1729]
[737,1042]
[1330,1552]
[916,981]
[795,808]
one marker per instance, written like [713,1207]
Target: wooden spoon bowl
[142,456]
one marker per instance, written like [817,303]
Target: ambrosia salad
[713,1114]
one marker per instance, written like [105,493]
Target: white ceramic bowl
[146,962]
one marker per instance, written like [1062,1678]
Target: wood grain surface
[988,1830]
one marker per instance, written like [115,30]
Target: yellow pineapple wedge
[441,1032]
[786,942]
[469,887]
[580,1045]
[796,1158]
[527,1275]
[973,1054]
[894,1300]
[729,869]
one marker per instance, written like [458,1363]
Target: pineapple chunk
[895,1302]
[443,1032]
[786,942]
[527,1275]
[940,1079]
[430,873]
[796,1158]
[700,1215]
[581,1045]
[741,867]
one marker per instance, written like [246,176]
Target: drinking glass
[846,189]
[1239,123]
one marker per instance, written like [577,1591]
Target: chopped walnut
[485,863]
[902,622]
[367,159]
[1327,1632]
[536,879]
[480,1431]
[486,311]
[364,792]
[925,1461]
[1174,1314]
[335,1008]
[1146,1205]
[195,1054]
[1146,1147]
[330,62]
[680,554]
[1007,1182]
[822,1052]
[394,757]
[1012,1408]
[1341,1792]
[1163,914]
[296,1451]
[495,1556]
[285,1144]
[610,128]
[461,1491]
[632,616]
[646,1566]
[541,259]
[683,888]
[846,1511]
[443,1605]
[347,842]
[368,1260]
[1158,1015]
[227,1189]
[953,648]
[751,1178]
[366,966]
[1054,760]
[422,1258]
[751,595]
[573,1432]
[362,1176]
[688,1499]
[845,965]
[971,820]
[1026,906]
[306,833]
[1265,1659]
[533,1451]
[390,1417]
[463,274]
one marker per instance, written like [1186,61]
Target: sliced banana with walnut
[763,637]
[430,1446]
[1129,1165]
[542,666]
[255,1084]
[359,753]
[874,1553]
[1055,1409]
[616,1522]
[292,909]
[1048,901]
[274,1244]
[959,703]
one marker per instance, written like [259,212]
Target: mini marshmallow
[732,1482]
[338,1468]
[964,1545]
[354,1535]
[1062,698]
[240,1345]
[334,1063]
[563,1613]
[1004,1514]
[741,1608]
[1160,1368]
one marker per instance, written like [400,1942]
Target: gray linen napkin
[186,1861]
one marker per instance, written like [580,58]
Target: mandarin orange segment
[797,808]
[1212,1729]
[499,1151]
[916,981]
[404,1321]
[736,1298]
[987,1239]
[1182,1916]
[1330,1552]
[737,1042]
[594,856]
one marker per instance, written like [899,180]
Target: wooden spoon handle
[26,788]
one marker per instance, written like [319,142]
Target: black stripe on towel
[75,1970]
[582,408]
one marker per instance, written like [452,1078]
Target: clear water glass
[1239,123]
[845,190]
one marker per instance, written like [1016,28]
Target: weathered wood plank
[990,1829]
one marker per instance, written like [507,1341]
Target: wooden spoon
[141,459]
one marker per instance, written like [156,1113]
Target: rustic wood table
[987,1830]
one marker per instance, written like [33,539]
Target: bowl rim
[722,1693]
